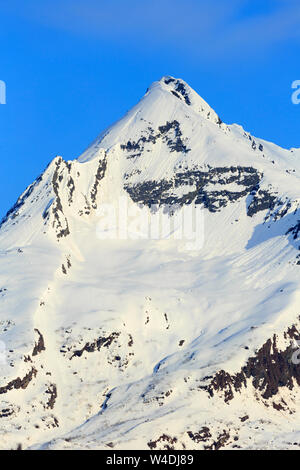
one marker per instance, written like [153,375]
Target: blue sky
[72,67]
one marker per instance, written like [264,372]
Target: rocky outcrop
[170,134]
[211,187]
[13,213]
[268,371]
[60,223]
[40,345]
[262,200]
[294,230]
[104,342]
[19,383]
[52,391]
[98,177]
[166,442]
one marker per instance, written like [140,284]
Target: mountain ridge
[140,342]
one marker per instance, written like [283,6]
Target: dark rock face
[201,436]
[63,181]
[219,442]
[160,193]
[149,192]
[14,211]
[268,371]
[52,391]
[71,188]
[96,345]
[3,291]
[8,411]
[181,92]
[294,230]
[244,418]
[60,223]
[19,383]
[262,200]
[168,442]
[40,345]
[283,209]
[180,89]
[175,144]
[170,133]
[98,177]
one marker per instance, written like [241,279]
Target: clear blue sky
[72,67]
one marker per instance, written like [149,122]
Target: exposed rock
[294,230]
[40,345]
[170,133]
[167,442]
[14,211]
[262,200]
[60,223]
[219,442]
[52,391]
[98,177]
[162,192]
[19,383]
[201,436]
[268,371]
[96,345]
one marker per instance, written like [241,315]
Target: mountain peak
[162,274]
[166,100]
[181,90]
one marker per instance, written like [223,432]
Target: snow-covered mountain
[132,342]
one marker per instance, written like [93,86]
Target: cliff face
[149,289]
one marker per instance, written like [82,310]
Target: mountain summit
[140,338]
[165,99]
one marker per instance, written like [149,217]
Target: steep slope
[150,288]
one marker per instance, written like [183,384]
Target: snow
[174,316]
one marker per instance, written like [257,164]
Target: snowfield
[142,343]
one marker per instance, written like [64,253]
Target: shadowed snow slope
[118,339]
